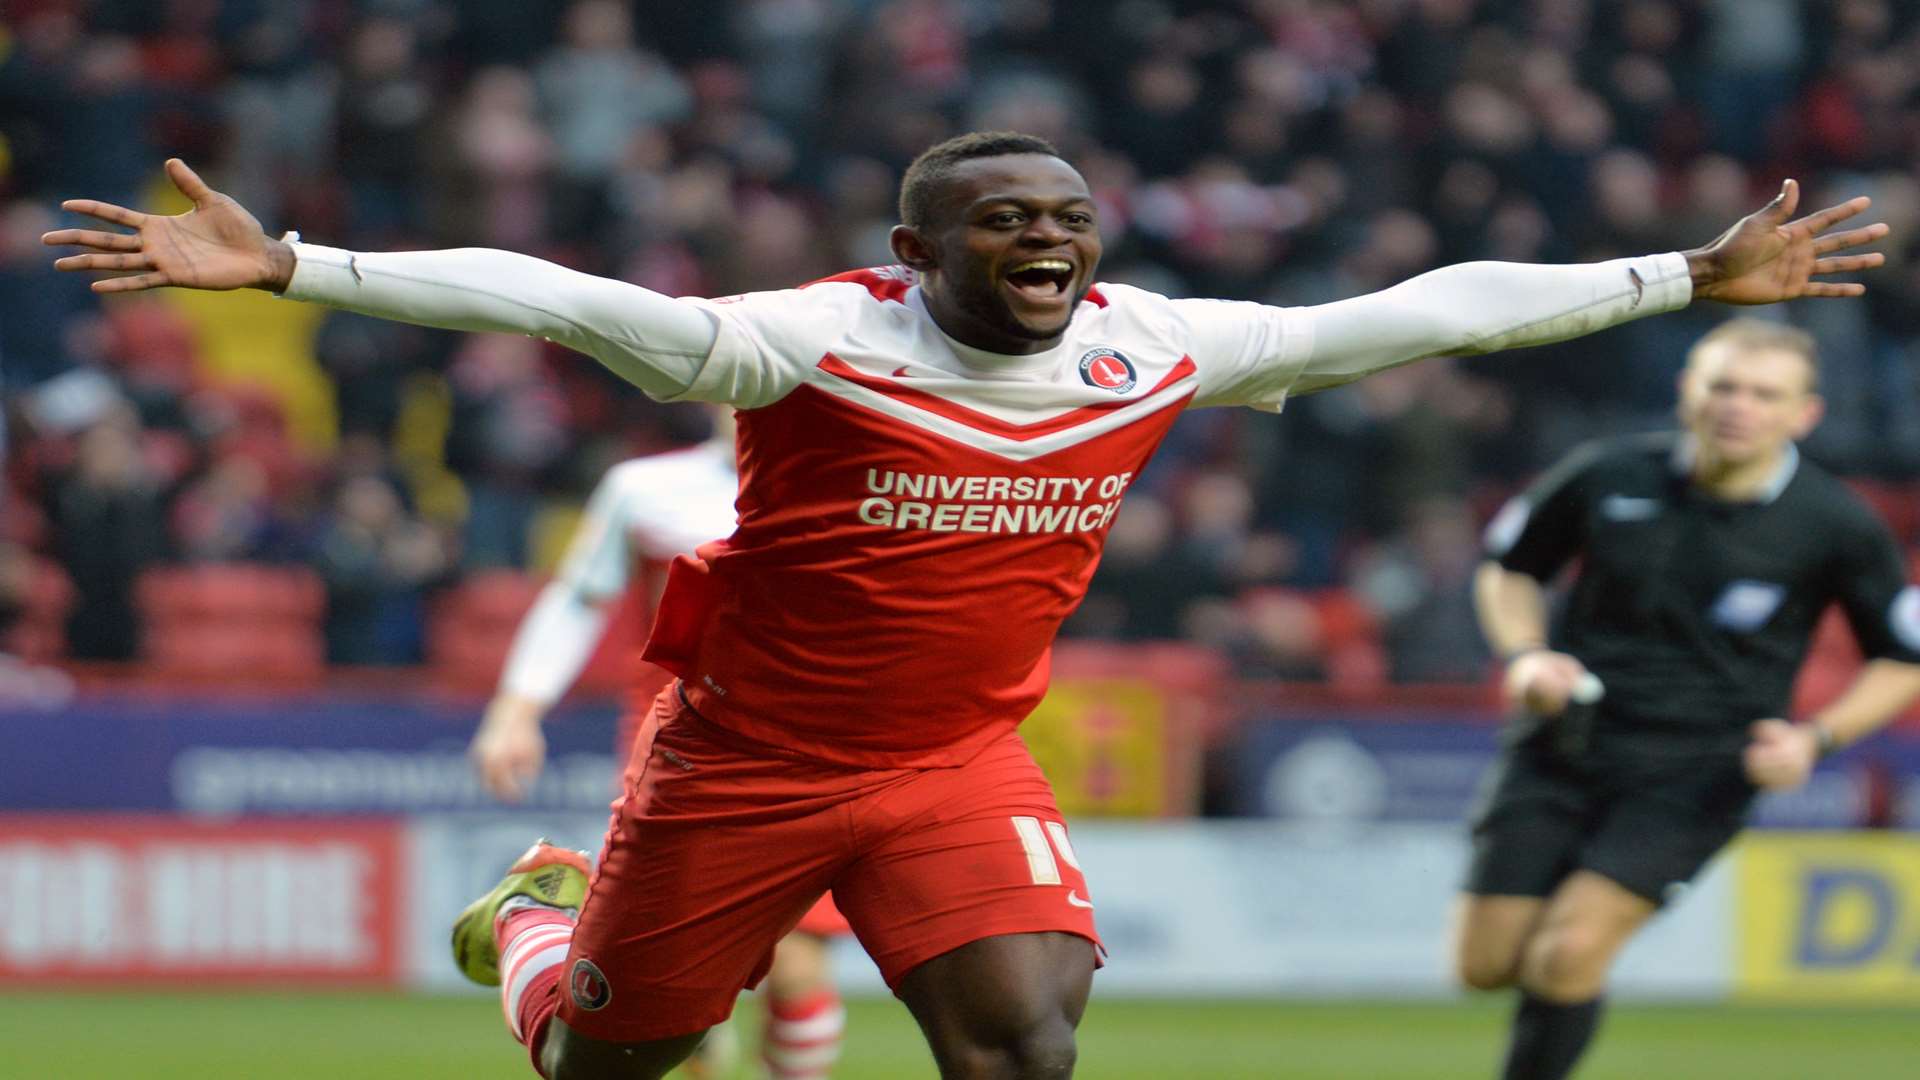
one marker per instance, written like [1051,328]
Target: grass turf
[345,1036]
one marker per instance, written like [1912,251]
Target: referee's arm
[1782,755]
[1513,615]
[1527,542]
[1882,691]
[1884,614]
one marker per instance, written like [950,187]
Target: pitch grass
[350,1036]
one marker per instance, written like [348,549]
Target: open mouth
[1041,280]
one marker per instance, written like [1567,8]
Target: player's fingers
[1834,288]
[507,788]
[93,238]
[129,261]
[1784,204]
[495,776]
[136,283]
[1838,241]
[1841,264]
[105,211]
[188,181]
[1821,220]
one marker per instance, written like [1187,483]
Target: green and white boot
[549,875]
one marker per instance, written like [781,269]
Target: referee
[1706,559]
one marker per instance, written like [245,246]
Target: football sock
[1548,1037]
[802,1036]
[533,940]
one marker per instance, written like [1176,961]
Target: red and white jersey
[916,517]
[643,513]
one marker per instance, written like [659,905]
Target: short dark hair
[1749,334]
[920,187]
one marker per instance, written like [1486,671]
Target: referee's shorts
[1647,821]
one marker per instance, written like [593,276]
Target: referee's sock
[1548,1037]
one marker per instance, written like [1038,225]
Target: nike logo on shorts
[1074,898]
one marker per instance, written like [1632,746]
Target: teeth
[1056,265]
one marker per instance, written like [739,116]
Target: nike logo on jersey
[1074,898]
[1628,508]
[900,372]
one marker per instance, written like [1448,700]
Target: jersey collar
[975,363]
[1687,448]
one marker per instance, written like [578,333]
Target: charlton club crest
[1107,370]
[589,988]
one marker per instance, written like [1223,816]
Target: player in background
[930,454]
[1707,558]
[642,514]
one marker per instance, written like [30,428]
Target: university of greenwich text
[991,504]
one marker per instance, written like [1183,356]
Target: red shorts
[718,849]
[823,919]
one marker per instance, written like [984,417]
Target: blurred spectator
[377,562]
[510,427]
[385,103]
[226,515]
[598,90]
[1419,586]
[42,310]
[493,184]
[108,526]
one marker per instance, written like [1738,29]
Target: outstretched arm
[652,341]
[1483,307]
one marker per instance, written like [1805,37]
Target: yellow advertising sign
[1828,917]
[1103,743]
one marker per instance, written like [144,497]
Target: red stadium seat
[1897,504]
[38,634]
[238,621]
[471,626]
[1355,657]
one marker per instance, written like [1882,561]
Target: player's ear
[911,248]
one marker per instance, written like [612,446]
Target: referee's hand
[1541,681]
[1781,755]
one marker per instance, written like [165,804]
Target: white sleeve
[656,342]
[558,635]
[554,642]
[1253,354]
[1484,307]
[1246,353]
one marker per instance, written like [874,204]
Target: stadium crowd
[1288,151]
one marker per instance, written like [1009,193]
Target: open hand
[1781,755]
[1766,257]
[216,245]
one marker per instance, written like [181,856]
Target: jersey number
[1034,835]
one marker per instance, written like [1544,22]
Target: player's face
[1013,251]
[1745,405]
